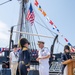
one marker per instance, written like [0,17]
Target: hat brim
[28,42]
[40,43]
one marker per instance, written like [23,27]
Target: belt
[24,63]
[14,61]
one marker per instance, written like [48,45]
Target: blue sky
[61,12]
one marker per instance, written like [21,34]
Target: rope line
[5,2]
[36,31]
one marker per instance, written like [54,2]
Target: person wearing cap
[64,57]
[24,57]
[14,60]
[43,58]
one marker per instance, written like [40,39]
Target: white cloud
[4,34]
[3,27]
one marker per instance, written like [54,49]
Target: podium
[70,66]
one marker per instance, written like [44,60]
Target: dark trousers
[63,66]
[23,69]
[17,71]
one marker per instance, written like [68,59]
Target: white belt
[14,61]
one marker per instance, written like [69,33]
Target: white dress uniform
[44,63]
[65,71]
[13,62]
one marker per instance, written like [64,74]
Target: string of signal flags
[36,3]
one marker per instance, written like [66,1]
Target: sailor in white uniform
[43,58]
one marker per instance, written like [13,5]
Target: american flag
[73,49]
[30,15]
[1,50]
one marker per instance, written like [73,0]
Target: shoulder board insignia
[24,49]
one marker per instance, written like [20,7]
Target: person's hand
[53,56]
[37,59]
[28,69]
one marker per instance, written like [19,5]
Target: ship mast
[24,25]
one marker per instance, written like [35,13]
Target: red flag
[55,26]
[72,49]
[1,50]
[36,3]
[30,15]
[51,22]
[66,40]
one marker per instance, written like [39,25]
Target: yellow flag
[40,9]
[44,13]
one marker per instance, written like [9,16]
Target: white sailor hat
[39,42]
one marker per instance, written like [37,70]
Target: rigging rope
[46,27]
[61,44]
[58,47]
[44,23]
[36,31]
[5,2]
[33,41]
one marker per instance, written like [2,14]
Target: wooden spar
[33,34]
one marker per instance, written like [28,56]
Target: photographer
[64,57]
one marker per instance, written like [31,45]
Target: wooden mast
[21,20]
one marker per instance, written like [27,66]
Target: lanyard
[15,53]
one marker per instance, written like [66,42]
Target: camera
[5,64]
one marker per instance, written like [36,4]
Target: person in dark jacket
[24,57]
[65,56]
